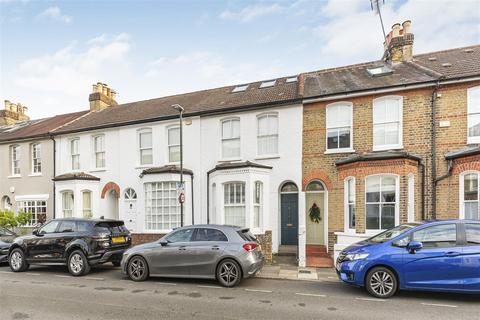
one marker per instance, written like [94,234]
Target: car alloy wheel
[16,260]
[229,273]
[137,269]
[76,263]
[381,283]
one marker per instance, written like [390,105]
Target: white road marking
[371,299]
[167,283]
[257,290]
[93,278]
[62,276]
[310,295]
[210,287]
[32,274]
[439,305]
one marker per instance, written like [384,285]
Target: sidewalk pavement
[297,273]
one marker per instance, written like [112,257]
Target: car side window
[184,235]
[472,232]
[206,234]
[402,242]
[49,227]
[68,226]
[83,226]
[440,236]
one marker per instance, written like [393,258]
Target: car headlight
[355,256]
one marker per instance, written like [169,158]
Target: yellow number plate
[118,239]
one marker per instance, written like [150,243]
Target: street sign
[180,186]
[181,198]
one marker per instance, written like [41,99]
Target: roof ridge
[71,121]
[425,69]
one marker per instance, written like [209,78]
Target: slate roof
[166,169]
[36,128]
[218,100]
[237,165]
[469,151]
[76,176]
[372,156]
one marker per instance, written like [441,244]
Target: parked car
[6,239]
[432,256]
[77,243]
[225,253]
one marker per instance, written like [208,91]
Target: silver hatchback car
[225,253]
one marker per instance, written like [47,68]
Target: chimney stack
[398,45]
[13,113]
[102,97]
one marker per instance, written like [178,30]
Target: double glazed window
[174,144]
[234,202]
[75,154]
[350,204]
[38,209]
[36,158]
[231,138]
[470,199]
[339,126]
[145,147]
[387,123]
[15,160]
[257,204]
[99,151]
[267,135]
[473,102]
[87,204]
[68,204]
[162,207]
[381,202]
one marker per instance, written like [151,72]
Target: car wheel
[78,264]
[381,282]
[229,273]
[137,269]
[17,261]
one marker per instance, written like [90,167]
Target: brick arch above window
[466,163]
[317,175]
[111,186]
[360,170]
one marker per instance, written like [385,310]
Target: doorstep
[299,273]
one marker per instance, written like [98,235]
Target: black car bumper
[3,255]
[108,256]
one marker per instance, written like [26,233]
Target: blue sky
[53,51]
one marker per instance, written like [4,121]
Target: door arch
[111,197]
[6,203]
[289,214]
[316,201]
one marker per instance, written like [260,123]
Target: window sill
[230,159]
[16,176]
[35,175]
[143,166]
[387,147]
[98,170]
[267,156]
[473,140]
[334,151]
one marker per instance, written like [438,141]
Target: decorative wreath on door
[315,213]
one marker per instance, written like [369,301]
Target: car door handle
[183,248]
[215,248]
[452,254]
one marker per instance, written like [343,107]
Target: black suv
[77,243]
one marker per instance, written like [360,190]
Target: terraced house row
[317,160]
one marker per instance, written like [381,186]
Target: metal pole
[181,164]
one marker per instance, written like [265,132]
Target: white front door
[130,218]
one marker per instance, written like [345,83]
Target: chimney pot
[102,97]
[396,30]
[406,26]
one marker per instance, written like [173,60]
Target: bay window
[350,204]
[473,106]
[339,127]
[38,209]
[68,204]
[231,138]
[257,204]
[87,204]
[267,134]
[145,148]
[387,123]
[469,196]
[381,205]
[162,207]
[234,203]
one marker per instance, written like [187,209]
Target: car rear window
[111,227]
[207,234]
[473,234]
[246,235]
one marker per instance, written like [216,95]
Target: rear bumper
[253,265]
[112,255]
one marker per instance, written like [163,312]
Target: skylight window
[241,88]
[292,79]
[269,83]
[379,71]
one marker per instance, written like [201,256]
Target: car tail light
[250,246]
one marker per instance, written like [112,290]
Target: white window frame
[172,145]
[160,210]
[64,209]
[15,160]
[397,200]
[347,204]
[411,198]
[472,139]
[257,206]
[140,148]
[36,156]
[74,154]
[274,135]
[375,105]
[35,204]
[87,212]
[99,152]
[330,127]
[235,204]
[231,138]
[462,191]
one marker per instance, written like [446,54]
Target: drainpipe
[54,172]
[208,197]
[434,150]
[422,166]
[193,205]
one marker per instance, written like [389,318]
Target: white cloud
[251,12]
[54,13]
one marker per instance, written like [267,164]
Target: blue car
[441,256]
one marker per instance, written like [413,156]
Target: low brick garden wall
[266,243]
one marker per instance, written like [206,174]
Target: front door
[315,219]
[289,218]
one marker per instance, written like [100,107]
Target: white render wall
[202,152]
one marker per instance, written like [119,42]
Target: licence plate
[118,239]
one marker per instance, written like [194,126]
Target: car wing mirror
[414,246]
[163,243]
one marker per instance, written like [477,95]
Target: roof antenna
[375,5]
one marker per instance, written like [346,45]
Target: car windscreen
[111,227]
[246,235]
[5,232]
[392,233]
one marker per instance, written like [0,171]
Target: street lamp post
[180,109]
